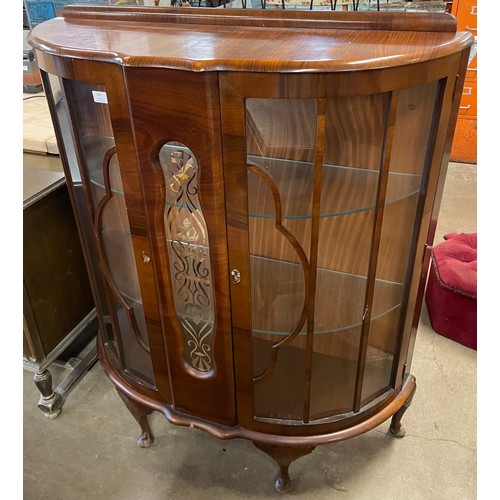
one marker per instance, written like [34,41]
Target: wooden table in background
[58,309]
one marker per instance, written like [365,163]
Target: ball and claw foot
[396,429]
[50,402]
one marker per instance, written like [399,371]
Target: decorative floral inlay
[187,243]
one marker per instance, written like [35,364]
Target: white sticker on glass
[100,96]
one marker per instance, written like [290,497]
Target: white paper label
[100,96]
[25,68]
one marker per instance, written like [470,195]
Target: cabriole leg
[396,428]
[50,402]
[283,457]
[140,413]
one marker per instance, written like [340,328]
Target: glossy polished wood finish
[115,374]
[172,40]
[198,128]
[140,413]
[361,108]
[244,17]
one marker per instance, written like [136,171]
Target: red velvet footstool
[451,294]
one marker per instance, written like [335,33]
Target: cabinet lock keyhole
[236,276]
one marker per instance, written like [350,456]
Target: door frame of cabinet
[110,76]
[176,106]
[235,88]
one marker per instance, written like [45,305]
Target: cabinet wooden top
[208,39]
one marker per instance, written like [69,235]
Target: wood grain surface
[204,40]
[311,343]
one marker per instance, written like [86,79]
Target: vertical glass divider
[313,255]
[385,160]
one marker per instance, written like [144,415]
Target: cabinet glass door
[334,187]
[90,148]
[281,137]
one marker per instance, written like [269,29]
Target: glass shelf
[352,189]
[345,201]
[330,318]
[279,301]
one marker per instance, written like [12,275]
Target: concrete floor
[89,451]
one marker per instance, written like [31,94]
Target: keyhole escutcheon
[236,276]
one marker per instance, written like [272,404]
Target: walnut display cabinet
[257,193]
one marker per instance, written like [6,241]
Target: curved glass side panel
[100,171]
[67,149]
[60,106]
[413,125]
[189,256]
